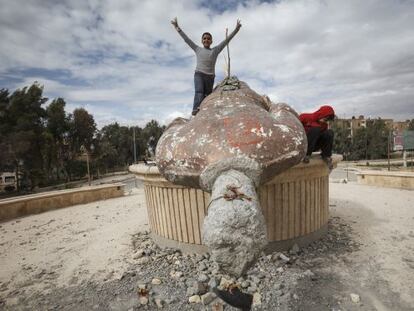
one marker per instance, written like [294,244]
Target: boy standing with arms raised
[206,62]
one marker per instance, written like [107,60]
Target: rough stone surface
[234,229]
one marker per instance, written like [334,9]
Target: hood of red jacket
[310,120]
[323,112]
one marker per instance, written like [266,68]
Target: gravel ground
[99,256]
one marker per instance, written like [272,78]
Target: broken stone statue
[238,141]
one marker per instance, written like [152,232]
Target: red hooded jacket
[310,120]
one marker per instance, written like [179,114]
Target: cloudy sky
[123,61]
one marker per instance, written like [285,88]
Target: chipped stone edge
[247,166]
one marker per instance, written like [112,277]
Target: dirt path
[85,258]
[381,268]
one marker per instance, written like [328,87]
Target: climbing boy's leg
[313,136]
[199,91]
[326,143]
[208,84]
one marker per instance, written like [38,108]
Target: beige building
[357,122]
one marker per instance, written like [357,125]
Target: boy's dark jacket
[310,120]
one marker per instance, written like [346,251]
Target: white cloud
[124,61]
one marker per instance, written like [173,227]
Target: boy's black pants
[203,85]
[320,140]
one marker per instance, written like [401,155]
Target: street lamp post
[84,150]
[135,147]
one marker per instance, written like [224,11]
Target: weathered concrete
[294,204]
[402,180]
[234,229]
[42,202]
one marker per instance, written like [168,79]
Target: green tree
[342,140]
[82,129]
[378,134]
[56,136]
[411,125]
[151,134]
[23,128]
[370,142]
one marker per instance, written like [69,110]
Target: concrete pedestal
[295,206]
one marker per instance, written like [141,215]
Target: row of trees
[370,142]
[47,145]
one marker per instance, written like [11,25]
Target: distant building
[400,126]
[355,123]
[8,181]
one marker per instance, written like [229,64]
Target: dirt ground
[85,258]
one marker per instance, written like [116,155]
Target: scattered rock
[143,300]
[138,254]
[355,298]
[194,299]
[252,289]
[284,258]
[143,260]
[257,299]
[203,278]
[207,298]
[156,281]
[196,288]
[158,303]
[176,274]
[295,249]
[212,283]
[308,273]
[217,306]
[202,267]
[225,283]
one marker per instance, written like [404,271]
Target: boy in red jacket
[318,134]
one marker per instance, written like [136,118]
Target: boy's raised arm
[222,44]
[190,43]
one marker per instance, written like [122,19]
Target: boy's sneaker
[306,159]
[328,161]
[195,112]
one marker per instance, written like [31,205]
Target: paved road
[343,172]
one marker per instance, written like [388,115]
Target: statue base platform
[295,205]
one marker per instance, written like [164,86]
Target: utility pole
[87,165]
[135,147]
[389,151]
[83,149]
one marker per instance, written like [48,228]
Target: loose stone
[207,298]
[143,260]
[143,300]
[355,298]
[203,278]
[194,299]
[284,258]
[159,303]
[295,249]
[257,299]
